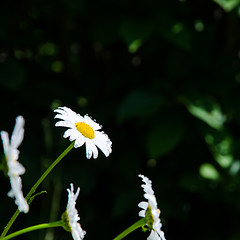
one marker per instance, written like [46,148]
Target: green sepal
[65,222]
[149,217]
[145,229]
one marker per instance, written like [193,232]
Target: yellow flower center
[85,130]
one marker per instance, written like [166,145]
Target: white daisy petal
[161,234]
[150,211]
[148,189]
[143,205]
[91,149]
[16,192]
[142,213]
[64,111]
[153,236]
[63,117]
[72,215]
[66,118]
[18,132]
[150,198]
[59,110]
[67,114]
[92,123]
[83,130]
[103,142]
[79,142]
[15,169]
[64,124]
[5,140]
[71,133]
[89,153]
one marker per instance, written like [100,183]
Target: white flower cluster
[81,129]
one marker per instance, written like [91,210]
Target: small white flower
[150,211]
[14,167]
[83,130]
[70,217]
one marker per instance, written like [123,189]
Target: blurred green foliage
[228,5]
[163,78]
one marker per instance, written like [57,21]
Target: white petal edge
[103,142]
[79,141]
[18,132]
[64,124]
[71,133]
[5,140]
[142,213]
[153,236]
[143,205]
[91,149]
[66,113]
[88,120]
[16,192]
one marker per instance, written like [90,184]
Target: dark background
[162,77]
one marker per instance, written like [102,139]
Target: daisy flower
[15,169]
[70,216]
[82,129]
[150,211]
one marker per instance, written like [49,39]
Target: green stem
[33,228]
[44,175]
[33,189]
[136,225]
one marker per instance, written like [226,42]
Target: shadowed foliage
[163,78]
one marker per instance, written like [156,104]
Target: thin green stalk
[33,189]
[33,228]
[136,225]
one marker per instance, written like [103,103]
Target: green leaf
[35,195]
[176,32]
[208,171]
[220,144]
[139,104]
[165,136]
[135,45]
[206,109]
[227,5]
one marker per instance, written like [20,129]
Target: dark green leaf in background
[12,74]
[139,103]
[165,135]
